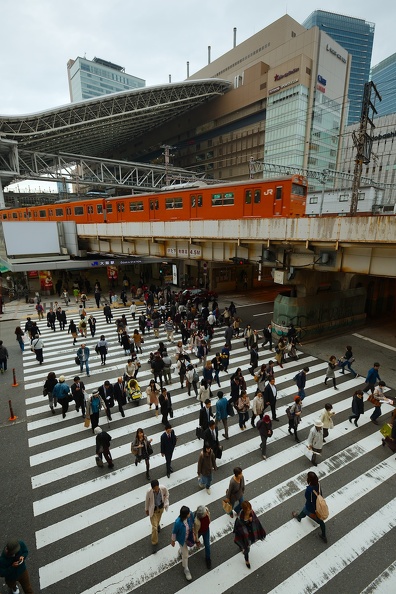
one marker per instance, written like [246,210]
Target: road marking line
[386,346]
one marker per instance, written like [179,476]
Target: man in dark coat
[205,415]
[106,392]
[269,396]
[51,317]
[103,440]
[267,332]
[61,317]
[168,443]
[211,437]
[77,390]
[119,390]
[107,313]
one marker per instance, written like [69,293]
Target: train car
[338,202]
[285,197]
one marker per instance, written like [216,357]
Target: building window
[313,200]
[172,203]
[343,198]
[361,195]
[308,71]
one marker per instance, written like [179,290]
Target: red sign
[33,273]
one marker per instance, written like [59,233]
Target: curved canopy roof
[98,126]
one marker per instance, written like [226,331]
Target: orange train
[284,197]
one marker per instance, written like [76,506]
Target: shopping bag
[386,430]
[87,422]
[226,506]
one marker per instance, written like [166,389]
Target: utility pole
[363,139]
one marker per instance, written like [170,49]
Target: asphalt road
[86,528]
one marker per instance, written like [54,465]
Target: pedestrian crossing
[92,534]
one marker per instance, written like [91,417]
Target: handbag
[149,448]
[77,360]
[87,422]
[386,430]
[45,392]
[219,452]
[199,432]
[226,506]
[373,400]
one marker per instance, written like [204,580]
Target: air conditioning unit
[64,251]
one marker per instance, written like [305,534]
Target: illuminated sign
[322,80]
[336,54]
[280,87]
[321,89]
[280,76]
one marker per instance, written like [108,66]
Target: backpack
[322,510]
[195,377]
[295,378]
[230,408]
[289,413]
[182,369]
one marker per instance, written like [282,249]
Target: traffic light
[239,261]
[161,271]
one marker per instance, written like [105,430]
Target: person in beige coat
[201,528]
[157,500]
[327,419]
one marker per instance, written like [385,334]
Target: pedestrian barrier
[14,378]
[12,416]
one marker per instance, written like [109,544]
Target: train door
[196,205]
[153,209]
[120,209]
[248,203]
[278,201]
[90,213]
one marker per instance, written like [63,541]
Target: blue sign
[322,80]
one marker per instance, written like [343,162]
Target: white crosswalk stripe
[92,534]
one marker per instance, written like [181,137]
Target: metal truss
[92,171]
[99,126]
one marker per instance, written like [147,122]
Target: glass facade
[384,77]
[89,79]
[356,36]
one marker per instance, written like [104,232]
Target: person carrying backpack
[311,508]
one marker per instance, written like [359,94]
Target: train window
[193,200]
[278,192]
[248,196]
[68,210]
[109,207]
[171,203]
[14,215]
[156,205]
[200,201]
[78,210]
[313,200]
[152,204]
[35,214]
[299,190]
[99,208]
[90,209]
[4,216]
[135,206]
[228,198]
[217,199]
[24,215]
[120,207]
[43,214]
[59,212]
[29,214]
[343,198]
[257,196]
[50,212]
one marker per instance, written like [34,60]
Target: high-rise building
[356,36]
[98,77]
[383,76]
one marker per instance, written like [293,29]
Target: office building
[98,77]
[383,76]
[356,36]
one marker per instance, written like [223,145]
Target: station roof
[98,126]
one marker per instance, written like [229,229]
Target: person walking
[201,528]
[48,388]
[168,444]
[157,500]
[243,406]
[267,332]
[103,447]
[269,396]
[376,398]
[51,318]
[165,402]
[235,491]
[141,448]
[372,378]
[264,426]
[225,356]
[61,317]
[257,407]
[157,367]
[221,412]
[247,530]
[347,361]
[301,379]
[102,348]
[4,357]
[330,372]
[183,533]
[137,340]
[19,333]
[315,440]
[192,379]
[254,358]
[327,419]
[211,438]
[169,329]
[93,406]
[61,393]
[311,493]
[106,392]
[78,392]
[13,567]
[294,416]
[153,392]
[280,351]
[357,407]
[37,347]
[73,331]
[205,468]
[92,325]
[132,310]
[205,415]
[119,391]
[167,370]
[83,356]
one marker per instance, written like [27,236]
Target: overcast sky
[150,39]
